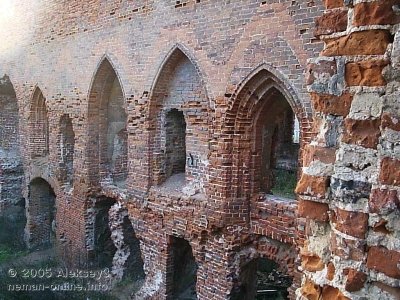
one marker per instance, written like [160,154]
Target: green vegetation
[7,253]
[285,183]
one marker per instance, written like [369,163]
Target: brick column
[350,182]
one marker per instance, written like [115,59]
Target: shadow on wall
[261,279]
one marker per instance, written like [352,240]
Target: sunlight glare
[6,10]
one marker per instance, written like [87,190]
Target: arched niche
[39,126]
[107,119]
[66,148]
[179,105]
[40,230]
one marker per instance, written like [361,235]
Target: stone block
[366,106]
[349,191]
[326,76]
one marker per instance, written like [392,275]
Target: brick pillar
[350,182]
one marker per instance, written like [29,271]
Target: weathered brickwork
[354,85]
[150,134]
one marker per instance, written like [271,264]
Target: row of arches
[262,125]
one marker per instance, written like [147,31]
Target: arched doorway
[182,270]
[41,215]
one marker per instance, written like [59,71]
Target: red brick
[372,42]
[315,153]
[383,200]
[347,248]
[312,185]
[364,133]
[330,22]
[355,280]
[330,274]
[385,261]
[333,3]
[375,13]
[310,290]
[380,226]
[365,73]
[351,223]
[390,171]
[311,262]
[313,210]
[330,104]
[390,121]
[331,293]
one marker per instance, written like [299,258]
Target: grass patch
[7,254]
[285,183]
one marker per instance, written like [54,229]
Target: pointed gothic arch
[179,92]
[267,119]
[107,121]
[39,125]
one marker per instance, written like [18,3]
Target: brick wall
[11,172]
[350,180]
[219,63]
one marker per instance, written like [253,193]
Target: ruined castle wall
[231,52]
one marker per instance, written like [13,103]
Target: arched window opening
[67,147]
[179,122]
[266,139]
[183,270]
[39,126]
[41,215]
[278,142]
[117,137]
[108,147]
[175,143]
[261,279]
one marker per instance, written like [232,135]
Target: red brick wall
[198,56]
[350,181]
